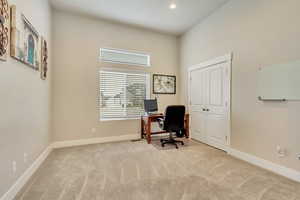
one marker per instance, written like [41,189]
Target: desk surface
[153,115]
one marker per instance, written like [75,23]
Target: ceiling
[151,14]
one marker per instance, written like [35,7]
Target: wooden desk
[146,126]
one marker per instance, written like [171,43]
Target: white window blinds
[122,94]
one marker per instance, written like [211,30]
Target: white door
[209,99]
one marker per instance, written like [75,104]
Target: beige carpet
[137,171]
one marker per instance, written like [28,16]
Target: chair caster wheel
[163,145]
[182,143]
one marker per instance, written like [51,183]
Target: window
[122,94]
[124,57]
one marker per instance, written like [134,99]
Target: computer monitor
[150,105]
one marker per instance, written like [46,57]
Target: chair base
[170,141]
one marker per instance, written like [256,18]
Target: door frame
[208,63]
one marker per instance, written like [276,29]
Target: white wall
[259,33]
[24,107]
[77,41]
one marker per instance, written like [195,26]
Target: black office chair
[172,122]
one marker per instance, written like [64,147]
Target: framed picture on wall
[4,29]
[164,84]
[25,40]
[44,59]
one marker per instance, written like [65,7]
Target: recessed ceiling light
[173,6]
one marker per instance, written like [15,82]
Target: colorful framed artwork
[25,40]
[164,84]
[44,59]
[4,29]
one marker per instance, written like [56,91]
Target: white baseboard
[277,169]
[72,143]
[22,180]
[19,184]
[13,191]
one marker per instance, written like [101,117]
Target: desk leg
[148,131]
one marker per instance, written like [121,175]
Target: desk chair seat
[172,122]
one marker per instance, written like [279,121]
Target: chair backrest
[174,118]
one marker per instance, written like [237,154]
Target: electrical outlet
[14,167]
[25,157]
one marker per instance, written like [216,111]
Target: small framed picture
[164,84]
[44,59]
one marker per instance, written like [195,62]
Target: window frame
[127,52]
[132,72]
